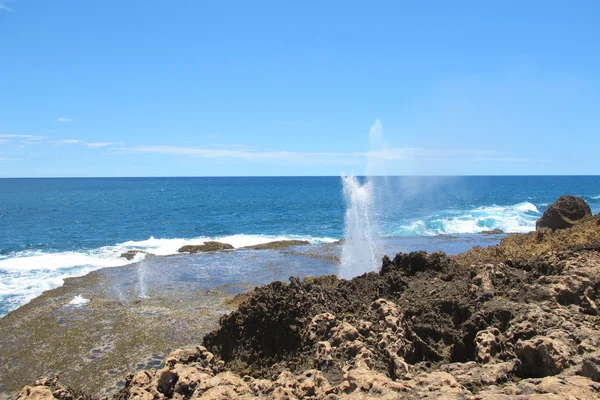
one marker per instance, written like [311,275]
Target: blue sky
[211,88]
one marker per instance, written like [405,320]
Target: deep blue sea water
[51,229]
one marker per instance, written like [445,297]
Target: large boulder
[564,213]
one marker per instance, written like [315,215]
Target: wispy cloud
[5,7]
[64,119]
[67,141]
[294,157]
[100,144]
[25,137]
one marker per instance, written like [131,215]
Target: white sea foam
[109,256]
[26,274]
[595,197]
[79,301]
[519,218]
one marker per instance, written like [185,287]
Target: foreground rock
[205,247]
[564,213]
[277,245]
[520,320]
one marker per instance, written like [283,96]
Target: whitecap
[515,218]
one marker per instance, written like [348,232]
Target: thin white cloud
[67,141]
[24,137]
[10,159]
[64,119]
[5,7]
[293,157]
[99,144]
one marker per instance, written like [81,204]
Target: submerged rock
[496,231]
[564,213]
[277,245]
[205,247]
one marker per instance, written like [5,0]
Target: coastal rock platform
[519,320]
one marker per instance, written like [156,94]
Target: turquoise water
[55,228]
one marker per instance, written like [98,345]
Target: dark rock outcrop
[277,245]
[205,247]
[130,254]
[495,231]
[564,213]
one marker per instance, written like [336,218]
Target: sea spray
[141,271]
[362,244]
[360,251]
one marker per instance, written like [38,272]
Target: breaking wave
[519,217]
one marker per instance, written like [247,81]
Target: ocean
[53,229]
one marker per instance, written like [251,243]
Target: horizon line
[296,176]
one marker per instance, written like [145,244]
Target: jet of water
[360,251]
[141,270]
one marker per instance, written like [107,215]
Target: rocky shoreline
[519,320]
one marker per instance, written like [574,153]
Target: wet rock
[492,232]
[564,213]
[205,247]
[277,245]
[131,254]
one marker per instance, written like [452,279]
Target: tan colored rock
[35,393]
[543,356]
[232,380]
[344,332]
[261,387]
[138,393]
[366,381]
[189,378]
[323,350]
[320,325]
[141,379]
[184,356]
[225,392]
[591,366]
[571,387]
[312,383]
[282,393]
[486,342]
[471,374]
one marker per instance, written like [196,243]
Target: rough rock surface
[564,213]
[130,254]
[478,326]
[205,247]
[277,245]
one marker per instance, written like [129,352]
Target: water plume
[361,249]
[141,272]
